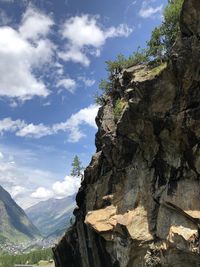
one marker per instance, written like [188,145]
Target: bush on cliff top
[164,36]
[158,48]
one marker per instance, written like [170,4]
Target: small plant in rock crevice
[118,108]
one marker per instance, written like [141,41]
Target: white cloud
[1,155]
[22,51]
[87,82]
[35,131]
[148,11]
[17,190]
[8,125]
[89,32]
[19,178]
[74,54]
[66,188]
[72,125]
[27,49]
[28,185]
[84,116]
[35,25]
[23,129]
[42,193]
[68,84]
[121,31]
[91,37]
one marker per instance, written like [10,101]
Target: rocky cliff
[139,204]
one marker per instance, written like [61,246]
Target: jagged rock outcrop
[139,204]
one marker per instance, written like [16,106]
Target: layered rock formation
[139,204]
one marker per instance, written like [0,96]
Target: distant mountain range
[15,227]
[52,217]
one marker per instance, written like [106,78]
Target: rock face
[139,204]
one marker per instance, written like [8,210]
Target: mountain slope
[14,224]
[52,216]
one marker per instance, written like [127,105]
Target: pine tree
[76,167]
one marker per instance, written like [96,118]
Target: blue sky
[52,57]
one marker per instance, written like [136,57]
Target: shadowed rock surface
[139,202]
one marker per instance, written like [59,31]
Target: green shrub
[99,99]
[170,25]
[115,67]
[105,86]
[136,58]
[164,36]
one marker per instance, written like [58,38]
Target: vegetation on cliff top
[157,50]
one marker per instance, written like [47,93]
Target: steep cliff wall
[139,204]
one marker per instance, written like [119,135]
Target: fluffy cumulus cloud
[42,193]
[26,50]
[90,38]
[23,129]
[68,187]
[22,51]
[35,25]
[148,10]
[72,125]
[35,131]
[28,185]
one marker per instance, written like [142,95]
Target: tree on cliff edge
[76,167]
[164,36]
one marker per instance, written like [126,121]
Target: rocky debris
[139,202]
